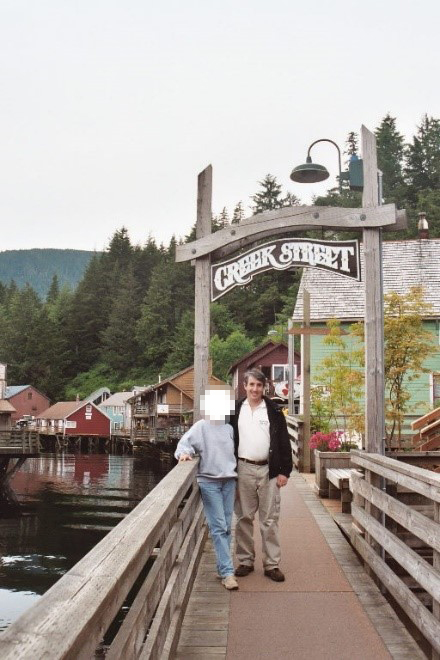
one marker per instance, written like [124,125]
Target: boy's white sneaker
[230,583]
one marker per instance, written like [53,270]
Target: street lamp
[310,172]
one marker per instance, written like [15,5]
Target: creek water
[70,502]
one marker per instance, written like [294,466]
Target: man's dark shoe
[243,570]
[274,574]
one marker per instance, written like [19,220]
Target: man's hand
[281,480]
[185,457]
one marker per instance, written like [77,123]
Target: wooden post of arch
[202,290]
[374,315]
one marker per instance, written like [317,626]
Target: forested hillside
[38,266]
[131,316]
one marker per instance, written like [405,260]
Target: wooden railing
[427,436]
[143,410]
[396,530]
[70,620]
[25,440]
[152,410]
[294,427]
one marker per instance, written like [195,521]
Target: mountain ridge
[37,266]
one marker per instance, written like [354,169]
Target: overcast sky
[109,108]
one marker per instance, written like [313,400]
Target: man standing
[264,464]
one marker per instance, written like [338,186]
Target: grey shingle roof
[116,399]
[405,264]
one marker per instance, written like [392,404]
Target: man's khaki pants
[256,491]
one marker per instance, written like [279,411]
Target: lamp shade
[309,172]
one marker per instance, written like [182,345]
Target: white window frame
[285,368]
[434,376]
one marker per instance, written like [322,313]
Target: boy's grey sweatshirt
[214,443]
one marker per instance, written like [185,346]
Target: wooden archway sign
[370,220]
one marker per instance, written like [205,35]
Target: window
[29,395]
[280,372]
[436,390]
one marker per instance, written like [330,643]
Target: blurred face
[254,390]
[217,405]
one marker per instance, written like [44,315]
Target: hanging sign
[340,257]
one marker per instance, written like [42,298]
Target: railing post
[305,384]
[436,565]
[300,447]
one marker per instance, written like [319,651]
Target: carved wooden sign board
[342,257]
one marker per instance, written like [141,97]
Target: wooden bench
[339,484]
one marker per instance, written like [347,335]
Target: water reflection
[69,503]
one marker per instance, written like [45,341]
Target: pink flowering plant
[326,441]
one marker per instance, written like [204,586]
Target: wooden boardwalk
[327,608]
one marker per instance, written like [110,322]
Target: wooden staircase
[427,436]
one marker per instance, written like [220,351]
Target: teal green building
[405,264]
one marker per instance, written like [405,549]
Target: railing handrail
[378,516]
[412,471]
[71,617]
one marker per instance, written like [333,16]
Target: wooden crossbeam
[292,218]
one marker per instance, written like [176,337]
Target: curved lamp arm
[339,157]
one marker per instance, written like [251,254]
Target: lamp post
[310,172]
[363,175]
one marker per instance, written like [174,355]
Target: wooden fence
[396,530]
[25,439]
[295,429]
[166,529]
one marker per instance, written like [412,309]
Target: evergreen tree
[28,342]
[59,313]
[144,261]
[119,345]
[3,292]
[120,250]
[223,218]
[351,149]
[222,324]
[238,214]
[225,352]
[157,320]
[182,352]
[352,145]
[54,290]
[89,314]
[291,200]
[429,202]
[390,152]
[269,197]
[422,169]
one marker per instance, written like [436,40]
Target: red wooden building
[27,401]
[272,359]
[74,418]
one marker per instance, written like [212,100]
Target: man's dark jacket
[280,451]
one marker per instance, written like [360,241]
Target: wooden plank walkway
[327,608]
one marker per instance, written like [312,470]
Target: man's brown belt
[246,460]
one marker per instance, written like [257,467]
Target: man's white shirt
[253,431]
